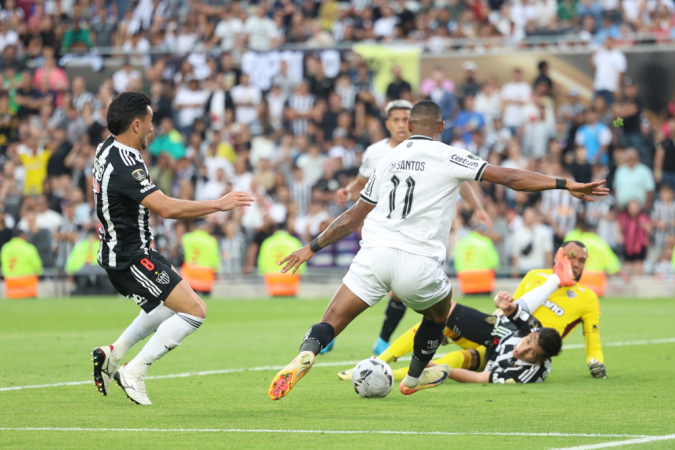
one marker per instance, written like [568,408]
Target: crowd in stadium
[294,144]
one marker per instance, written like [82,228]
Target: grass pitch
[45,342]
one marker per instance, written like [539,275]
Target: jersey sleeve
[531,373]
[134,182]
[465,166]
[524,321]
[371,193]
[366,169]
[591,321]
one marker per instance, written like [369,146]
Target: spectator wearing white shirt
[532,244]
[385,26]
[260,30]
[515,95]
[609,64]
[229,30]
[123,77]
[80,94]
[189,103]
[7,36]
[312,164]
[246,98]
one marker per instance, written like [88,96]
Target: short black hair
[550,342]
[579,243]
[542,65]
[125,108]
[426,111]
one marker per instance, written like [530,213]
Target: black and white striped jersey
[120,183]
[501,364]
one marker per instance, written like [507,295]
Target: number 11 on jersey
[407,201]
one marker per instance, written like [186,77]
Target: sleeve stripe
[479,175]
[367,200]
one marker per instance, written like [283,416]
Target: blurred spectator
[299,109]
[200,247]
[543,84]
[189,102]
[595,137]
[232,248]
[469,85]
[664,159]
[34,159]
[123,77]
[609,64]
[76,39]
[38,236]
[397,87]
[246,99]
[515,96]
[438,81]
[20,258]
[634,181]
[5,232]
[468,120]
[261,31]
[663,216]
[635,228]
[629,107]
[168,141]
[532,244]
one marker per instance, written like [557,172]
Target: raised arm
[173,208]
[524,180]
[343,226]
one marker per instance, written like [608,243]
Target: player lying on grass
[405,242]
[518,349]
[541,293]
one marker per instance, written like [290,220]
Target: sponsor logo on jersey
[163,278]
[471,156]
[571,293]
[369,186]
[557,310]
[464,162]
[432,346]
[139,174]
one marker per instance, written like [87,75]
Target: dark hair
[579,243]
[426,110]
[550,342]
[542,65]
[125,108]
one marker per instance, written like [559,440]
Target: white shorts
[419,281]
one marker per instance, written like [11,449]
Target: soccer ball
[372,378]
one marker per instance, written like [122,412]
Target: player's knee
[197,307]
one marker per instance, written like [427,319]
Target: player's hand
[234,199]
[597,369]
[483,217]
[342,195]
[504,301]
[295,259]
[562,267]
[584,191]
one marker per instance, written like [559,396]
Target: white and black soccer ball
[372,378]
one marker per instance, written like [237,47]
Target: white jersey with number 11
[415,188]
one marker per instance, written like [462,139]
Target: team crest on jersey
[163,278]
[471,156]
[409,144]
[139,174]
[571,293]
[491,320]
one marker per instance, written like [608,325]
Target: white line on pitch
[426,433]
[326,364]
[643,440]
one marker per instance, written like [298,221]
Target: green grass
[48,341]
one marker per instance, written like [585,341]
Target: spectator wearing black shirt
[664,160]
[320,86]
[630,109]
[162,104]
[330,118]
[469,85]
[398,86]
[28,98]
[9,60]
[543,85]
[5,233]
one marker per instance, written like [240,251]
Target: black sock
[317,338]
[427,339]
[392,317]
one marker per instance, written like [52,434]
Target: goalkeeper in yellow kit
[555,306]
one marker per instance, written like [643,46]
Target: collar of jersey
[126,147]
[419,136]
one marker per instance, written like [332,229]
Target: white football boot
[104,368]
[431,377]
[133,384]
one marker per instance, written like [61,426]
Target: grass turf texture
[48,341]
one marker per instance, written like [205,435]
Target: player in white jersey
[397,112]
[412,196]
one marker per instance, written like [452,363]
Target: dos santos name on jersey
[417,166]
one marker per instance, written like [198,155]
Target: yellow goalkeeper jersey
[566,308]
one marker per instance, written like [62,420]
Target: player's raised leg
[427,339]
[190,315]
[342,309]
[107,358]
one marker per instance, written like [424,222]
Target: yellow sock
[402,345]
[460,359]
[400,374]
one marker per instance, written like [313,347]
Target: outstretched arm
[343,226]
[524,180]
[351,190]
[173,208]
[469,376]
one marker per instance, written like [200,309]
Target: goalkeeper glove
[597,369]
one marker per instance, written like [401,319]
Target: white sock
[412,381]
[142,326]
[532,300]
[168,336]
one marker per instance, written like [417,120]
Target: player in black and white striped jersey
[125,195]
[518,348]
